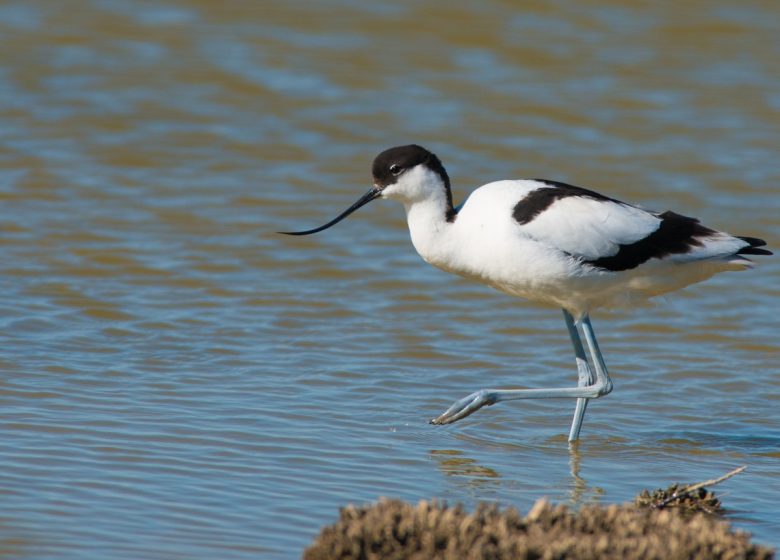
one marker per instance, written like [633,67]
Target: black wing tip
[754,241]
[753,249]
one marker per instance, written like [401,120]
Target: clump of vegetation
[690,498]
[395,530]
[676,496]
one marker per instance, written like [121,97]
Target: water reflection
[453,463]
[580,492]
[470,474]
[178,381]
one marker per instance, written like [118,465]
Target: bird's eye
[395,169]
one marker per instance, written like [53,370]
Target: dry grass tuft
[394,530]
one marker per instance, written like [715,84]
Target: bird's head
[406,173]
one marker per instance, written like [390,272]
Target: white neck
[424,196]
[430,230]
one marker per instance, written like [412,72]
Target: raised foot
[465,406]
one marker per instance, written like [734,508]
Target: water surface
[181,382]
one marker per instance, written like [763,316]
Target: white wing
[590,228]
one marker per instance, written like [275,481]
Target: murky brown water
[180,382]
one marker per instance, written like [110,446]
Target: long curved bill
[362,201]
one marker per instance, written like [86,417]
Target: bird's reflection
[453,463]
[468,473]
[580,492]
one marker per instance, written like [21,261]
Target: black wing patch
[676,235]
[537,201]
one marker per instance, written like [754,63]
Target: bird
[551,243]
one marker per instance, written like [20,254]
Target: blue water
[179,381]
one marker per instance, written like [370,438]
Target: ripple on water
[179,380]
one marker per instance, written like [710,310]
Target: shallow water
[181,382]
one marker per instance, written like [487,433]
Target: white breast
[486,243]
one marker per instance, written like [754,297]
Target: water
[181,382]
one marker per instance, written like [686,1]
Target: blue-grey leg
[593,345]
[602,375]
[601,386]
[584,376]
